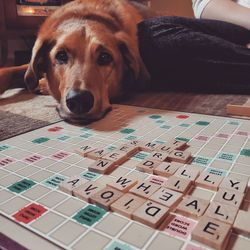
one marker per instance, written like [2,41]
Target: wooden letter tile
[222,212]
[123,183]
[151,214]
[212,233]
[242,223]
[229,197]
[165,148]
[85,191]
[149,146]
[178,184]
[188,172]
[158,156]
[192,207]
[117,156]
[129,149]
[134,143]
[234,184]
[102,166]
[209,181]
[97,153]
[127,204]
[84,149]
[105,197]
[144,189]
[147,165]
[180,156]
[166,197]
[177,144]
[167,168]
[70,184]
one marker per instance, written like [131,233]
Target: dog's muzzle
[79,102]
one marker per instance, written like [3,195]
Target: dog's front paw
[43,87]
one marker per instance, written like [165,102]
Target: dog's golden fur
[83,29]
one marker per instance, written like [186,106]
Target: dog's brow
[71,25]
[113,26]
[78,21]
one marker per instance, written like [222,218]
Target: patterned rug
[21,111]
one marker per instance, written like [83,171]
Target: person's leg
[228,31]
[229,11]
[195,54]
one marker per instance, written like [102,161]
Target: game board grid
[132,171]
[52,208]
[215,158]
[111,135]
[17,172]
[59,225]
[66,219]
[29,226]
[65,222]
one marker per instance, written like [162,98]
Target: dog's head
[88,61]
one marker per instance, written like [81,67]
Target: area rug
[21,111]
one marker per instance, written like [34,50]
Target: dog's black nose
[79,101]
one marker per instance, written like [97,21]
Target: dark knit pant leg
[182,53]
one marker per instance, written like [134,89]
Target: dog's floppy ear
[136,74]
[37,64]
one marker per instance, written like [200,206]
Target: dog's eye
[62,57]
[104,59]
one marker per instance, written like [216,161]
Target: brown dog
[88,52]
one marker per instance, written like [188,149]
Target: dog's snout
[79,101]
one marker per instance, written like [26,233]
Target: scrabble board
[43,172]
